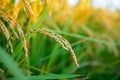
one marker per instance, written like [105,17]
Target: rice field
[49,39]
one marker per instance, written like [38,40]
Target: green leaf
[88,38]
[54,76]
[11,65]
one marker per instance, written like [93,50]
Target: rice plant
[49,39]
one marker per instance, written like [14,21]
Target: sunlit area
[59,39]
[107,4]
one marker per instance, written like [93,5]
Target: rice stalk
[5,17]
[59,39]
[24,43]
[20,31]
[20,34]
[7,35]
[22,37]
[27,8]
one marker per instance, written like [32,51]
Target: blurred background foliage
[92,32]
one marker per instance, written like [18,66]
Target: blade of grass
[54,76]
[37,49]
[60,52]
[88,38]
[67,25]
[41,19]
[42,46]
[11,65]
[40,70]
[43,16]
[53,56]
